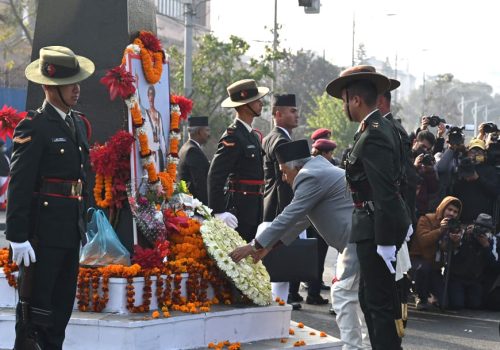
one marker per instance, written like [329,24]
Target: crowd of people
[429,192]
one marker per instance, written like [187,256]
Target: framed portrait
[154,102]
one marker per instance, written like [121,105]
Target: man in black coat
[380,219]
[236,174]
[277,193]
[45,212]
[193,163]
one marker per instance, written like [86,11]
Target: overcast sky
[431,37]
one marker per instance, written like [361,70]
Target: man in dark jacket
[45,213]
[380,219]
[238,162]
[193,163]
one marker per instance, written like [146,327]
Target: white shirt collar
[61,113]
[247,126]
[364,119]
[286,132]
[196,142]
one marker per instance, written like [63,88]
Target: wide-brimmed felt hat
[394,84]
[243,92]
[356,73]
[59,65]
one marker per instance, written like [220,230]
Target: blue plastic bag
[103,245]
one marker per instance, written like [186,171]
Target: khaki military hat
[58,65]
[352,74]
[243,92]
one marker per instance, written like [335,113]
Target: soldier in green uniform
[45,212]
[380,220]
[236,174]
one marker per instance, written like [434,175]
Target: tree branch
[26,31]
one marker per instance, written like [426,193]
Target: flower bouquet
[250,278]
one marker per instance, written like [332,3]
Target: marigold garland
[106,183]
[8,267]
[152,62]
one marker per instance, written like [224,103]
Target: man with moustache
[380,219]
[193,163]
[238,161]
[46,211]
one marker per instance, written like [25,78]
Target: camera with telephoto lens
[490,127]
[435,120]
[478,230]
[453,225]
[456,135]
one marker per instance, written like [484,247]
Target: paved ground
[426,330]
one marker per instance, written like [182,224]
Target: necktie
[71,123]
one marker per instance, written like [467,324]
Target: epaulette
[31,114]
[231,129]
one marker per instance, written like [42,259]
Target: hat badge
[244,93]
[49,69]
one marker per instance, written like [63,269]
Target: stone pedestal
[99,30]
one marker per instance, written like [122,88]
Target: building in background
[170,20]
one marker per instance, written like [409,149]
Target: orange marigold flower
[211,345]
[291,332]
[281,302]
[300,325]
[312,333]
[155,314]
[322,334]
[283,340]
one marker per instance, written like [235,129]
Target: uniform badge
[375,124]
[59,139]
[250,146]
[21,140]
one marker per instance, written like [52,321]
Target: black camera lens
[435,120]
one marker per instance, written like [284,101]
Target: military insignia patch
[375,124]
[21,140]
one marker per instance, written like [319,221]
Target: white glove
[228,218]
[22,253]
[388,253]
[409,233]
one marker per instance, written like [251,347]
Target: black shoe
[316,300]
[296,306]
[324,286]
[332,311]
[294,298]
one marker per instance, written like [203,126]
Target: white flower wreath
[250,278]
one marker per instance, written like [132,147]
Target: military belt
[61,188]
[251,187]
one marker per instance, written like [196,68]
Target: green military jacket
[373,171]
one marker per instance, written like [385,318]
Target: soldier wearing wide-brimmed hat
[380,218]
[193,163]
[47,193]
[238,162]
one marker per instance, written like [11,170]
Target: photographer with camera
[426,256]
[477,183]
[440,123]
[427,180]
[469,260]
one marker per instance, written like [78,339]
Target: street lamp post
[188,48]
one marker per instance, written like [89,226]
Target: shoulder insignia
[21,140]
[230,130]
[228,144]
[375,124]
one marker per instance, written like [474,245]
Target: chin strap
[254,113]
[348,109]
[61,97]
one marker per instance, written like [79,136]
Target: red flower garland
[119,82]
[185,104]
[9,118]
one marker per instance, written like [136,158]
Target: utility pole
[353,33]
[188,48]
[396,77]
[275,42]
[462,109]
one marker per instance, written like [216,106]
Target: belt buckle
[76,188]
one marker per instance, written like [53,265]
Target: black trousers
[377,292]
[54,289]
[315,286]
